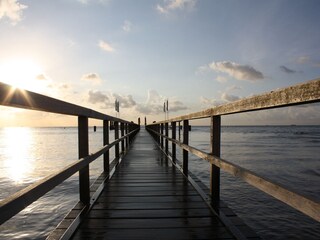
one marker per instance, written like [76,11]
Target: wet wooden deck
[148,199]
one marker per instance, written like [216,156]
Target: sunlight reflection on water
[18,153]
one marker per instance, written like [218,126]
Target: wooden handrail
[15,97]
[303,93]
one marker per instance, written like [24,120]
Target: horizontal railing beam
[20,200]
[15,97]
[296,200]
[304,93]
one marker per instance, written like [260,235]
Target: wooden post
[116,136]
[122,134]
[166,140]
[83,145]
[185,141]
[215,142]
[158,130]
[173,126]
[106,142]
[161,138]
[179,131]
[126,132]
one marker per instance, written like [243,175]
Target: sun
[23,73]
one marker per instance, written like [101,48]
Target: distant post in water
[215,142]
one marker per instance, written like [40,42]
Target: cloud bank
[11,9]
[107,99]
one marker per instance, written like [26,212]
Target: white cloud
[97,97]
[41,77]
[11,9]
[92,77]
[238,71]
[106,46]
[127,26]
[107,99]
[154,104]
[172,5]
[85,2]
[126,101]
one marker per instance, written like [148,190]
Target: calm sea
[286,154]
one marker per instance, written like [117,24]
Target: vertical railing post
[158,130]
[106,142]
[173,128]
[166,140]
[179,131]
[116,137]
[185,141]
[215,142]
[126,132]
[83,145]
[122,134]
[161,137]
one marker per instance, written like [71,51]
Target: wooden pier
[148,198]
[145,192]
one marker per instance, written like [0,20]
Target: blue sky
[196,53]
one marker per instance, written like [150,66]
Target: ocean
[286,154]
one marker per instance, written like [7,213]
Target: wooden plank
[168,234]
[152,223]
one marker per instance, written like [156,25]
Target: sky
[195,53]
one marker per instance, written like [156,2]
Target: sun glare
[23,73]
[18,161]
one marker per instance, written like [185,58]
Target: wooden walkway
[148,199]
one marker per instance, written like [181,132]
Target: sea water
[285,154]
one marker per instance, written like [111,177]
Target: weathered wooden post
[166,141]
[179,131]
[83,145]
[116,137]
[185,141]
[161,137]
[126,132]
[122,134]
[173,128]
[106,142]
[215,142]
[158,130]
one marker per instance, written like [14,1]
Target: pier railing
[304,93]
[13,97]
